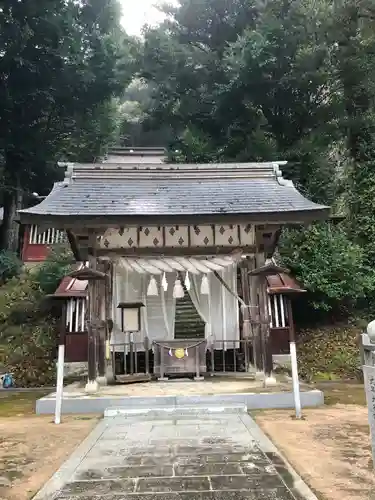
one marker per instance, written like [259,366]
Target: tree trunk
[12,201]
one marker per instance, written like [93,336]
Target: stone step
[178,411]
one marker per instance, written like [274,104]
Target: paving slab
[211,457]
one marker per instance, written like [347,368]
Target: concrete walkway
[211,455]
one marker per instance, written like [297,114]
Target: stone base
[198,379]
[91,387]
[102,381]
[270,381]
[78,368]
[98,403]
[109,374]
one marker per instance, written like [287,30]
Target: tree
[253,81]
[354,29]
[61,63]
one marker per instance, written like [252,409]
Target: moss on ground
[345,393]
[15,404]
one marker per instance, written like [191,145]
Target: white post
[296,391]
[60,383]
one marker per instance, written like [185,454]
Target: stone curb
[51,489]
[98,404]
[267,446]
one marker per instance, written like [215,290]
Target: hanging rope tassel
[186,353]
[205,289]
[187,281]
[164,283]
[152,289]
[178,291]
[170,352]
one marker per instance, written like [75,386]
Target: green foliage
[27,332]
[62,64]
[248,81]
[10,265]
[28,354]
[329,352]
[330,266]
[28,321]
[48,275]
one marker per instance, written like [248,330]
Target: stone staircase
[188,324]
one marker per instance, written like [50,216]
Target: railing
[218,358]
[230,356]
[131,358]
[277,311]
[75,315]
[50,236]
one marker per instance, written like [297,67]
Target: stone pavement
[208,456]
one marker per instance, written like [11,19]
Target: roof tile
[110,189]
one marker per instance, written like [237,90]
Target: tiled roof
[71,287]
[119,189]
[283,283]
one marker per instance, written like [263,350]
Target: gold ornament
[179,353]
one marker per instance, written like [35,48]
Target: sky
[138,12]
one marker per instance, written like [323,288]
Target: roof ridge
[142,171]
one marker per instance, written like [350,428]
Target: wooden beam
[173,251]
[74,246]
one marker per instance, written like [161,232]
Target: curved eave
[97,220]
[285,291]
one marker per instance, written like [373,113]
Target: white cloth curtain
[219,310]
[201,302]
[158,313]
[230,309]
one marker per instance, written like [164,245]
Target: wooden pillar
[108,298]
[265,328]
[250,312]
[101,333]
[92,385]
[262,341]
[256,299]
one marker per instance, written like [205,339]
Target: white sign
[131,319]
[369,378]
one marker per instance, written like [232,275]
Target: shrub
[57,265]
[328,264]
[329,352]
[27,332]
[10,265]
[28,353]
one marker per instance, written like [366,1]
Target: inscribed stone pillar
[369,379]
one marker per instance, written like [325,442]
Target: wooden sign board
[369,378]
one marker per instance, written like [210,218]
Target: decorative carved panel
[201,236]
[226,235]
[247,235]
[176,236]
[151,237]
[123,237]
